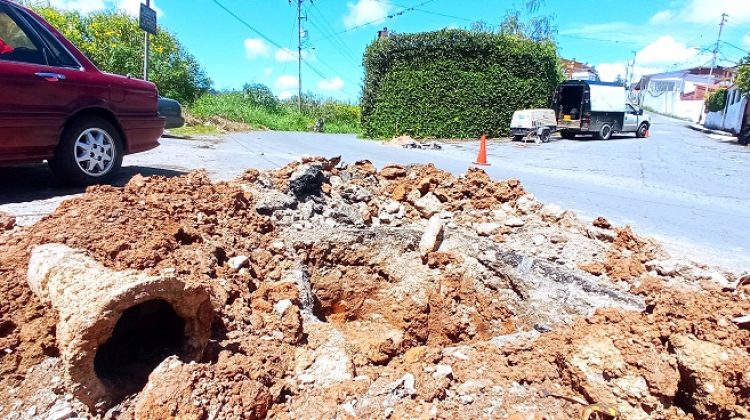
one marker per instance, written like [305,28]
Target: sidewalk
[703,129]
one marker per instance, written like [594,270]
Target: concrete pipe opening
[145,334]
[115,327]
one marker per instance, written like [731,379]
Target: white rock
[538,240]
[282,306]
[307,209]
[235,263]
[60,411]
[428,205]
[466,399]
[432,236]
[487,229]
[527,204]
[443,371]
[514,222]
[552,213]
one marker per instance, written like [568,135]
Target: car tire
[604,133]
[567,135]
[545,136]
[641,132]
[90,152]
[517,138]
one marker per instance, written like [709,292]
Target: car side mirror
[640,112]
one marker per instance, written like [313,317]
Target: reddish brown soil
[681,357]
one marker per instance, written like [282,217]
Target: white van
[598,108]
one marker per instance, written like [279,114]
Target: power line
[736,47]
[270,41]
[390,16]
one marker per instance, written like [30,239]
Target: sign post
[147,22]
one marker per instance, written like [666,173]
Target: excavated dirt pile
[341,291]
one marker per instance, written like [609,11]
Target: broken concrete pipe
[115,327]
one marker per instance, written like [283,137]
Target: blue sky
[664,35]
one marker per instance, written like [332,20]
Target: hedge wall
[453,83]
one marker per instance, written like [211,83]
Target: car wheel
[517,138]
[89,152]
[641,132]
[545,136]
[604,133]
[567,135]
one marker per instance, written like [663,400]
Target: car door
[38,93]
[630,122]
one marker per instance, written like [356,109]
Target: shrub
[454,83]
[716,101]
[114,42]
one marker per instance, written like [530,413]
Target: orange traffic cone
[482,156]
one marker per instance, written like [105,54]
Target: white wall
[730,119]
[669,103]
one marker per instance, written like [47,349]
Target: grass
[276,115]
[194,130]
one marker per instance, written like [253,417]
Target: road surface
[685,188]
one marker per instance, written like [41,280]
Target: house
[575,70]
[681,93]
[734,117]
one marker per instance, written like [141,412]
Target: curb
[702,129]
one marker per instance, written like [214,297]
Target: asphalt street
[685,188]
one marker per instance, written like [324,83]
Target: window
[630,108]
[58,55]
[15,43]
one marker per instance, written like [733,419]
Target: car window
[16,44]
[630,108]
[59,55]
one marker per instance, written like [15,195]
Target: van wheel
[641,132]
[517,138]
[604,133]
[89,152]
[568,135]
[545,136]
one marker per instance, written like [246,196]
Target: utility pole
[630,75]
[145,49]
[300,37]
[716,48]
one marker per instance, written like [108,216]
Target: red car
[55,105]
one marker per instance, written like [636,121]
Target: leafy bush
[716,101]
[253,107]
[114,42]
[454,83]
[743,75]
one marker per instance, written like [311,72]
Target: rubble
[343,291]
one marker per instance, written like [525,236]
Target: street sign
[147,20]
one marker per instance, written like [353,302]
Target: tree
[743,75]
[114,42]
[536,28]
[619,80]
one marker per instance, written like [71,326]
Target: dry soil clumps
[343,291]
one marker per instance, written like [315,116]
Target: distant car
[172,111]
[55,105]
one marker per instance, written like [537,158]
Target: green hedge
[716,101]
[454,83]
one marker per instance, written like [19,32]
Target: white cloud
[665,50]
[131,7]
[286,54]
[366,11]
[285,95]
[746,41]
[332,84]
[268,71]
[83,6]
[709,11]
[286,81]
[255,47]
[662,17]
[608,72]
